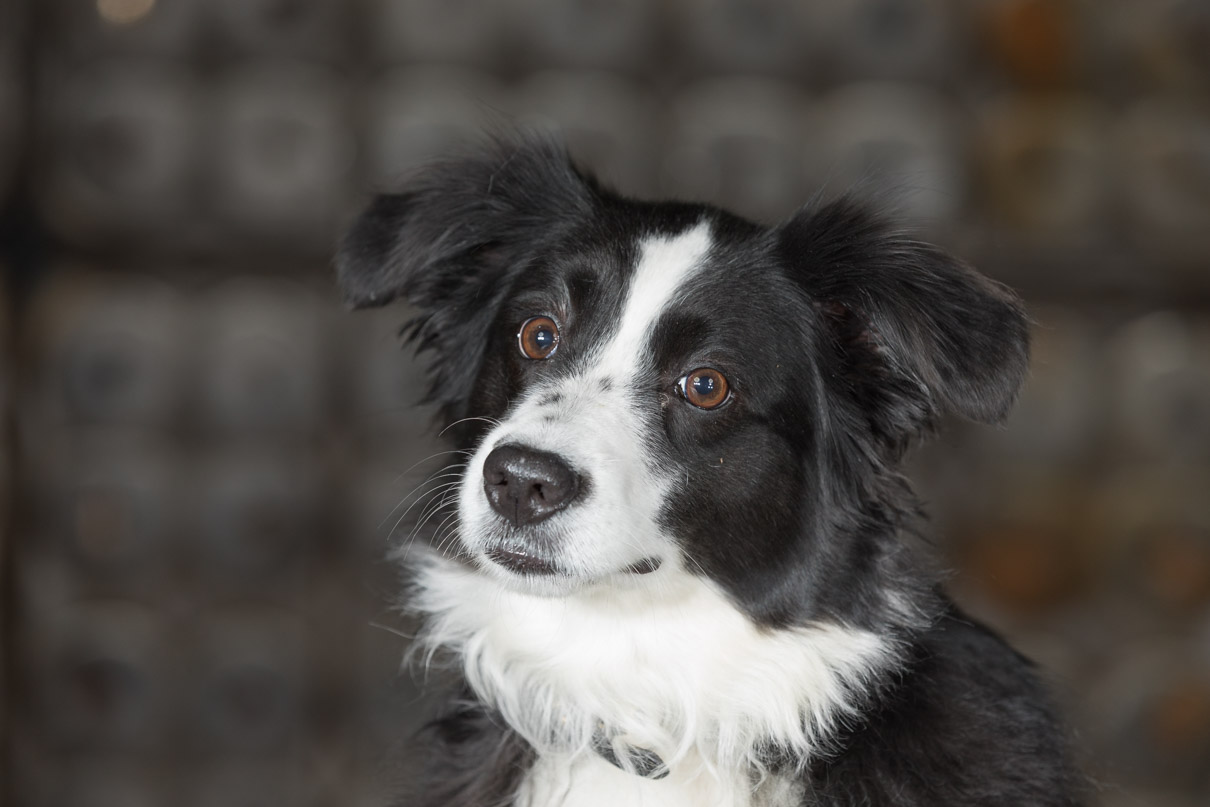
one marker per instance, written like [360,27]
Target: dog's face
[646,421]
[656,391]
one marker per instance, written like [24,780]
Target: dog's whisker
[429,515]
[441,497]
[407,636]
[432,456]
[428,496]
[420,490]
[489,421]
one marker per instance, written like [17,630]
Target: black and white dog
[683,570]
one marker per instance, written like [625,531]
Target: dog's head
[656,391]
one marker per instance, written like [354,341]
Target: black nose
[526,485]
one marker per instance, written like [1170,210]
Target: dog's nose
[526,485]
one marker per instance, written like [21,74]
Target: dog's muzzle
[525,486]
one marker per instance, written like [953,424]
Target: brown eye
[705,388]
[538,338]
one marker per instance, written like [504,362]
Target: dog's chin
[557,585]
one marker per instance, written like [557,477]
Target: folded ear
[451,241]
[916,332]
[458,219]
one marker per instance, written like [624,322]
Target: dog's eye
[705,388]
[538,337]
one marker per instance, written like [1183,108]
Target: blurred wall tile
[900,136]
[107,780]
[103,350]
[389,690]
[1150,709]
[89,27]
[384,386]
[416,115]
[1034,43]
[745,35]
[263,359]
[13,26]
[8,389]
[1060,417]
[117,153]
[900,39]
[114,512]
[606,122]
[241,783]
[1027,545]
[317,29]
[1160,387]
[283,155]
[1162,151]
[464,31]
[1159,44]
[12,124]
[738,143]
[1044,169]
[251,681]
[1157,527]
[97,675]
[586,33]
[254,517]
[1167,564]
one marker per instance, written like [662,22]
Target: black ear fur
[920,332]
[452,240]
[502,197]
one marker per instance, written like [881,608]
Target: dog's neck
[673,669]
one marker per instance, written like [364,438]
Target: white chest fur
[590,781]
[674,668]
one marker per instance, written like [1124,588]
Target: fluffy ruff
[726,694]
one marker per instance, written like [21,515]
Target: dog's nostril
[525,485]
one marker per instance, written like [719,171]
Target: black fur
[469,758]
[848,340]
[967,724]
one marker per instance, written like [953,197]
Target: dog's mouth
[519,561]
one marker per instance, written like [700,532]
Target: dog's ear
[915,332]
[458,222]
[450,243]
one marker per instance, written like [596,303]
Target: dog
[682,566]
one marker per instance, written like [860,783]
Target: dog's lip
[516,560]
[520,561]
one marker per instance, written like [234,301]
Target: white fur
[674,668]
[665,267]
[590,781]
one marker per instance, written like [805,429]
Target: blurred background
[202,450]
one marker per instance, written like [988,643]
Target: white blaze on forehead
[665,264]
[601,434]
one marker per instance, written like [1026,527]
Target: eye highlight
[705,388]
[538,338]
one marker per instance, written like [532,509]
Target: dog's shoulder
[969,722]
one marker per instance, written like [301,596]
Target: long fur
[731,606]
[556,668]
